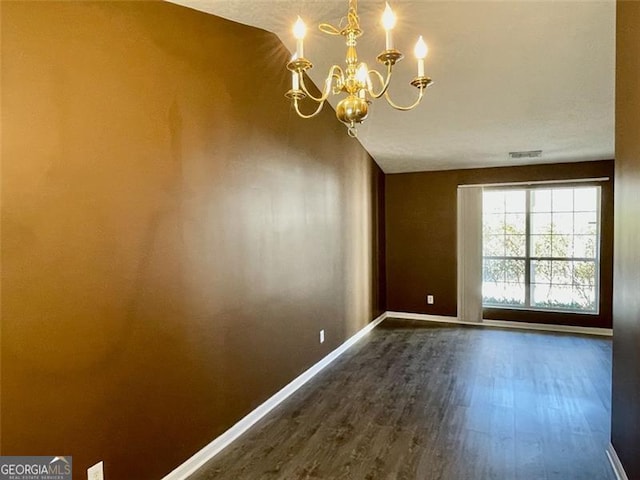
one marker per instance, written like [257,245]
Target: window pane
[541,201]
[553,297]
[584,299]
[562,222]
[586,199]
[493,223]
[493,270]
[540,223]
[540,294]
[515,201]
[503,294]
[515,245]
[493,201]
[515,223]
[561,246]
[492,292]
[561,272]
[541,245]
[585,223]
[514,271]
[562,200]
[584,274]
[560,297]
[584,246]
[541,271]
[493,245]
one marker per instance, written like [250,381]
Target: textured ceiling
[509,76]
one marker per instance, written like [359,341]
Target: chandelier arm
[404,109]
[327,84]
[320,99]
[297,108]
[385,83]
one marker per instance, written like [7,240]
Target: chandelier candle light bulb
[355,79]
[388,22]
[299,31]
[362,75]
[420,52]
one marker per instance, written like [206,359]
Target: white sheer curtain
[470,254]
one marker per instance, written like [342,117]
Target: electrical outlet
[96,472]
[430,299]
[321,336]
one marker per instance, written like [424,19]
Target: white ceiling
[508,76]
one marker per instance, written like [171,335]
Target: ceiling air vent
[529,154]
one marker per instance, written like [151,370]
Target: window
[541,248]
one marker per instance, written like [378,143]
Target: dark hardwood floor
[417,400]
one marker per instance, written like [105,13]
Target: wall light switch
[321,336]
[96,472]
[430,299]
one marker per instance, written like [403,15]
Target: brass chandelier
[356,79]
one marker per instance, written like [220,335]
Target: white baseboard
[216,446]
[607,332]
[616,465]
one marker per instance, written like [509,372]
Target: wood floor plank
[421,401]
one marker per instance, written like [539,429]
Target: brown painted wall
[421,238]
[173,236]
[625,407]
